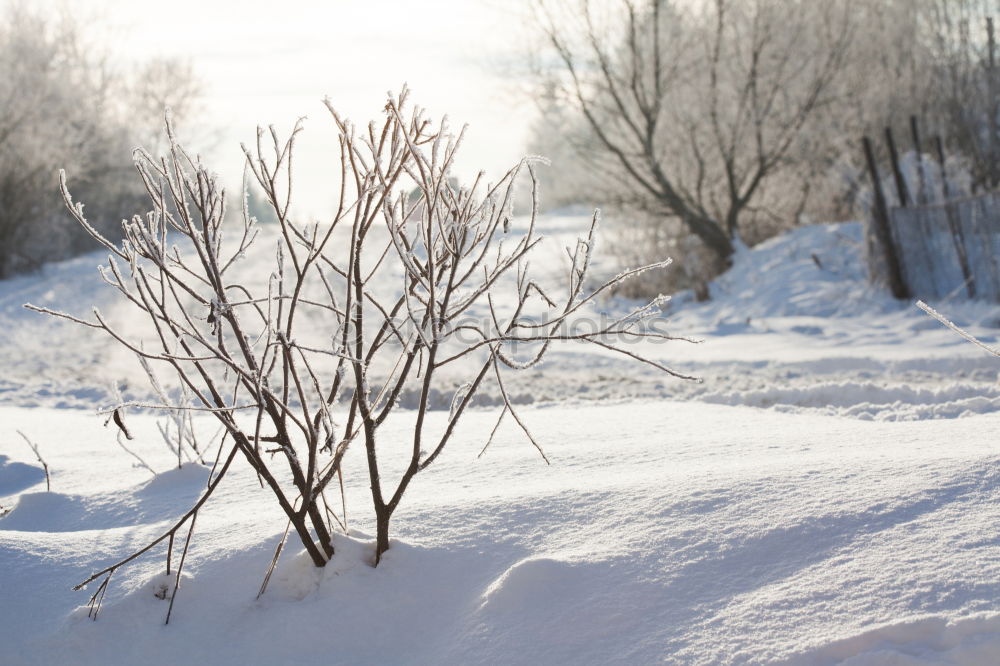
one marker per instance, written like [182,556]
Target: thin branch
[45,465]
[965,334]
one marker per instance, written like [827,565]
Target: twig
[94,606]
[180,567]
[274,560]
[496,427]
[947,322]
[45,466]
[132,453]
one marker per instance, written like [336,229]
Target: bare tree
[694,111]
[404,280]
[158,84]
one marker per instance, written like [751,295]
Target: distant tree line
[707,124]
[63,103]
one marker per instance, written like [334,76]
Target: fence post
[904,196]
[882,230]
[945,190]
[958,239]
[922,188]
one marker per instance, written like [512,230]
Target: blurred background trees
[709,124]
[702,124]
[63,104]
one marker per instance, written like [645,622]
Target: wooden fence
[945,249]
[949,249]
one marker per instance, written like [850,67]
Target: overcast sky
[273,61]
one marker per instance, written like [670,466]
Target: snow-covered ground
[828,493]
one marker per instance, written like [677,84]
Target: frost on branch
[409,274]
[950,324]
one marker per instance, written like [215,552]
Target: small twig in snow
[133,453]
[45,466]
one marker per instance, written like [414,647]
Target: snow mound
[814,270]
[17,476]
[534,582]
[45,512]
[928,641]
[297,577]
[186,477]
[162,498]
[146,600]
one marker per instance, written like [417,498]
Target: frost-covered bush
[410,275]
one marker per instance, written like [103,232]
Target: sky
[274,61]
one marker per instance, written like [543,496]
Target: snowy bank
[664,531]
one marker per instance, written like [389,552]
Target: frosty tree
[403,280]
[691,114]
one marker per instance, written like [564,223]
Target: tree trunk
[713,236]
[382,533]
[315,554]
[322,533]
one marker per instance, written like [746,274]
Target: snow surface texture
[780,511]
[664,531]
